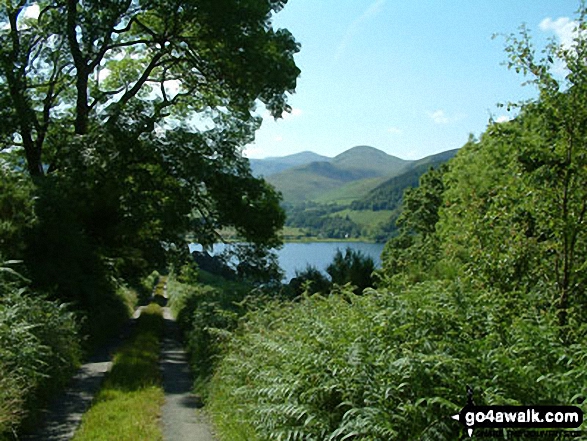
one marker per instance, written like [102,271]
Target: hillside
[312,180]
[388,195]
[332,198]
[369,162]
[272,165]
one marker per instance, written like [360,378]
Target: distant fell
[272,165]
[347,177]
[370,161]
[357,194]
[308,181]
[389,194]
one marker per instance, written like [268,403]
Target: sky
[409,77]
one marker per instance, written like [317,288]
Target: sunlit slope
[313,180]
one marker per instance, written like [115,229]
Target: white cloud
[563,27]
[440,117]
[502,119]
[278,138]
[32,11]
[566,31]
[295,112]
[372,11]
[395,131]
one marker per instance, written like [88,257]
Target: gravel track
[182,415]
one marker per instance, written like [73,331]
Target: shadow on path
[182,417]
[64,413]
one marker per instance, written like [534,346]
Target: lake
[297,256]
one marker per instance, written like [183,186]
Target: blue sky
[409,77]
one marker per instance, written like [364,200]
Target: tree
[414,250]
[130,117]
[352,267]
[68,66]
[16,208]
[311,281]
[516,203]
[554,158]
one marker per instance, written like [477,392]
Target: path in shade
[182,414]
[64,413]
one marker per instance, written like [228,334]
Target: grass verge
[128,405]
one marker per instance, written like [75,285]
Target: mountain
[308,181]
[389,194]
[357,194]
[272,165]
[368,161]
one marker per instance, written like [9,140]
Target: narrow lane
[182,415]
[64,414]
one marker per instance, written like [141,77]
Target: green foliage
[310,281]
[390,366]
[365,208]
[322,221]
[484,286]
[254,265]
[39,351]
[205,313]
[414,252]
[147,285]
[389,195]
[130,119]
[519,198]
[352,267]
[16,208]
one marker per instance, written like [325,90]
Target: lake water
[297,256]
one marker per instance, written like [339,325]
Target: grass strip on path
[129,403]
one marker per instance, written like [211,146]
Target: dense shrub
[39,351]
[311,281]
[390,366]
[203,312]
[16,207]
[352,267]
[147,285]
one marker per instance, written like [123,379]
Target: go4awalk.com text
[521,417]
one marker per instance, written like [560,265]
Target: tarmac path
[64,413]
[182,416]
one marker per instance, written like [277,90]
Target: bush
[16,207]
[352,267]
[310,281]
[147,285]
[39,351]
[390,366]
[203,313]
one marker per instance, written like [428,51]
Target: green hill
[310,181]
[388,195]
[272,165]
[356,194]
[369,162]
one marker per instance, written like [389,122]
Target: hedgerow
[39,351]
[205,313]
[390,366]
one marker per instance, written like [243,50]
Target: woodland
[122,125]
